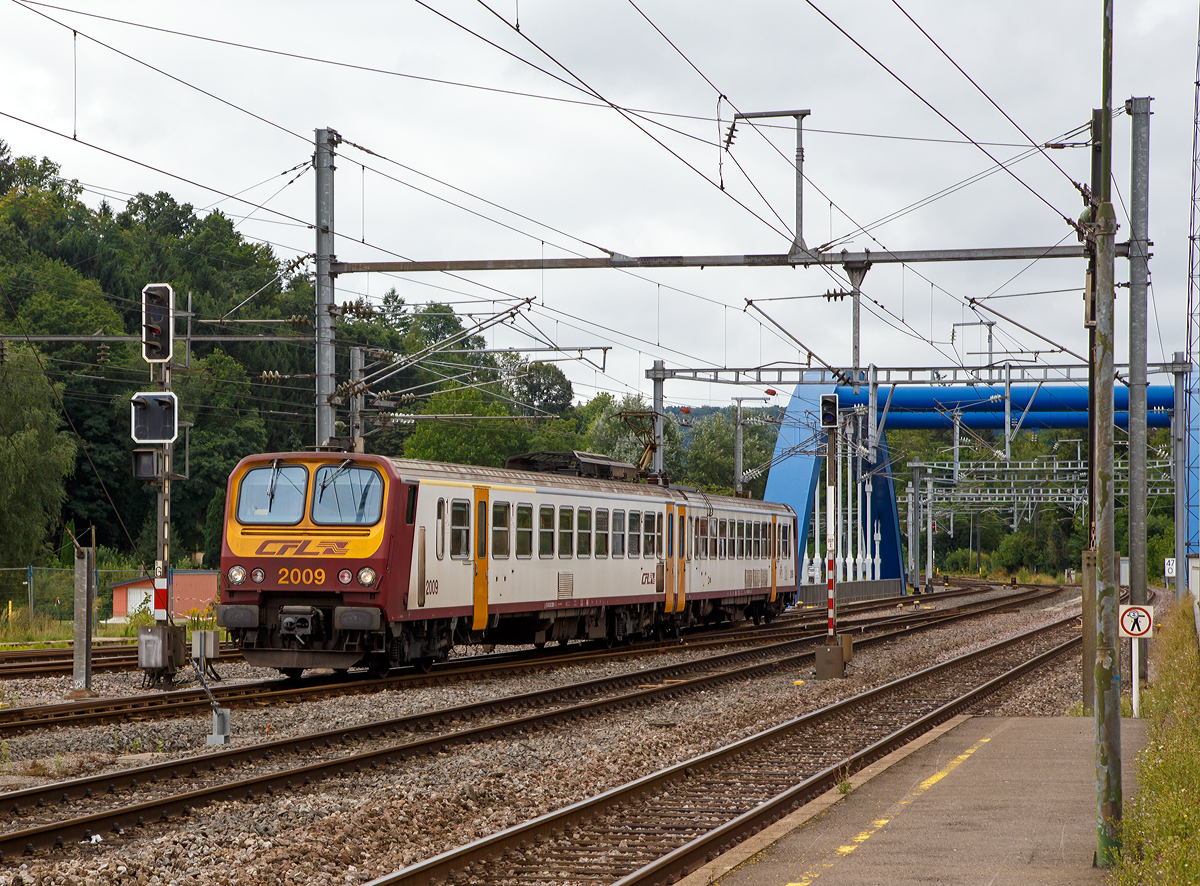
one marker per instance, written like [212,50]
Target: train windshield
[346,494]
[272,494]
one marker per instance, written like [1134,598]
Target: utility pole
[85,593]
[326,142]
[1107,672]
[737,440]
[656,465]
[1139,260]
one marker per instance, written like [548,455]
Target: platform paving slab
[980,800]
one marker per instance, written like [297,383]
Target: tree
[487,442]
[710,455]
[35,460]
[610,434]
[539,388]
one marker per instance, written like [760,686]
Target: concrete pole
[1139,257]
[929,534]
[357,402]
[1088,571]
[852,499]
[81,672]
[326,141]
[855,272]
[1179,434]
[837,468]
[1108,670]
[872,549]
[737,449]
[798,245]
[1007,411]
[657,458]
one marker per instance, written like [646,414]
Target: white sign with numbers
[1169,567]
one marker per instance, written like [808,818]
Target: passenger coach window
[439,544]
[647,535]
[601,532]
[500,511]
[658,536]
[546,531]
[618,534]
[741,539]
[723,540]
[524,530]
[347,495]
[584,525]
[635,534]
[787,547]
[566,532]
[460,530]
[272,494]
[757,540]
[712,539]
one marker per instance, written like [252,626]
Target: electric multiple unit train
[334,560]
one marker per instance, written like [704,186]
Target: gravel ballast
[353,829]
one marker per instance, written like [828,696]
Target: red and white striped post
[830,534]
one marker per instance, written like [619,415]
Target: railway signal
[829,410]
[155,417]
[158,321]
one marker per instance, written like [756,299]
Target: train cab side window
[439,530]
[618,534]
[635,534]
[566,532]
[410,510]
[460,530]
[546,531]
[583,526]
[722,539]
[524,531]
[500,511]
[601,532]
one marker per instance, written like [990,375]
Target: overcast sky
[215,118]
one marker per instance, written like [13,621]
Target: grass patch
[1161,830]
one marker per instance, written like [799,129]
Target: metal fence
[50,591]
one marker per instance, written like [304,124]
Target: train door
[479,621]
[774,556]
[681,551]
[666,554]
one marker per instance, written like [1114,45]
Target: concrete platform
[982,800]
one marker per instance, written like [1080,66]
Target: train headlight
[237,575]
[366,577]
[257,576]
[345,576]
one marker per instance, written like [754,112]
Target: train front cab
[312,554]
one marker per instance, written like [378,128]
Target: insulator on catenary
[270,375]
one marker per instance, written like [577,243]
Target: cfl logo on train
[278,547]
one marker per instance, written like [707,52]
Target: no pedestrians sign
[1137,621]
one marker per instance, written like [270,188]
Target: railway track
[50,815]
[21,663]
[183,702]
[661,827]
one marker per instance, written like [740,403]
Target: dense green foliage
[1161,828]
[65,460]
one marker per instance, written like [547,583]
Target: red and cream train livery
[332,560]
